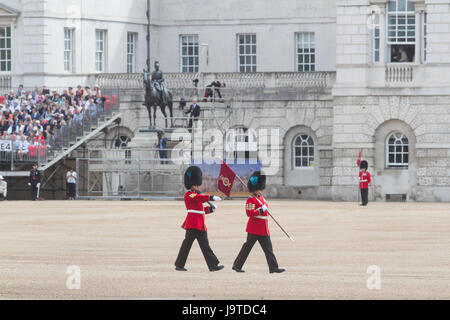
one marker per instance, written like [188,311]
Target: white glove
[264,208]
[215,206]
[29,184]
[38,185]
[215,198]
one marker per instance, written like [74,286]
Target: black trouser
[266,245]
[71,190]
[34,191]
[163,155]
[202,238]
[364,196]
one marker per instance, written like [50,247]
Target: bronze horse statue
[157,95]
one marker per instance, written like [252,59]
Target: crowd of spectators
[36,121]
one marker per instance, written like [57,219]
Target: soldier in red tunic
[364,182]
[257,227]
[195,221]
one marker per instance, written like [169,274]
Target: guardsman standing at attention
[364,182]
[35,182]
[195,221]
[258,226]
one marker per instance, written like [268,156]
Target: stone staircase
[78,141]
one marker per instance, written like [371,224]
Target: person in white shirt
[3,189]
[71,177]
[23,150]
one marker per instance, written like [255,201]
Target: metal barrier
[123,177]
[68,134]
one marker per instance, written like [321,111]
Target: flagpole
[287,234]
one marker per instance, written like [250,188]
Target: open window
[401,31]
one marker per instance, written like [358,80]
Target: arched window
[397,151]
[121,143]
[401,33]
[242,145]
[303,151]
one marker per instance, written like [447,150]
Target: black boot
[216,268]
[238,270]
[180,269]
[278,270]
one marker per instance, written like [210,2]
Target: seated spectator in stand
[37,118]
[23,149]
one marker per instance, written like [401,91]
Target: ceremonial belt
[196,211]
[262,217]
[364,180]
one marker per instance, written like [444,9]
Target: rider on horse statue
[158,83]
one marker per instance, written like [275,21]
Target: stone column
[419,10]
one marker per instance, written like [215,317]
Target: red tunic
[364,180]
[196,212]
[257,224]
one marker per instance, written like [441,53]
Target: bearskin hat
[364,165]
[193,177]
[257,182]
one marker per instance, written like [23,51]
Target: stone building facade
[335,77]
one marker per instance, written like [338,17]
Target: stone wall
[363,124]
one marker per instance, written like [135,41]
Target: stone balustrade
[399,73]
[319,80]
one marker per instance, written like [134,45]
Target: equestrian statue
[156,94]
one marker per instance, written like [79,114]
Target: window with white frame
[68,50]
[131,52]
[376,38]
[397,151]
[306,52]
[5,49]
[303,151]
[401,31]
[242,145]
[100,41]
[189,53]
[425,35]
[246,44]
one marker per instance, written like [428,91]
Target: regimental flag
[358,162]
[226,179]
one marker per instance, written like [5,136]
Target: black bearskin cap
[193,177]
[257,182]
[364,165]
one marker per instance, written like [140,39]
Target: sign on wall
[5,145]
